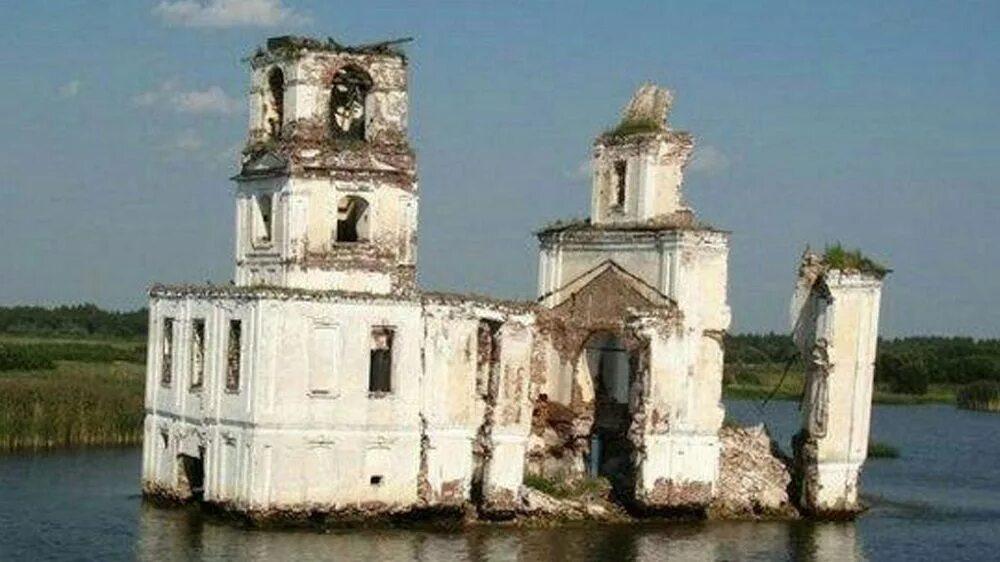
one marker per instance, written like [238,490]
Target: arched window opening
[347,103]
[352,219]
[274,111]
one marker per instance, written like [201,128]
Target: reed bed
[980,395]
[73,404]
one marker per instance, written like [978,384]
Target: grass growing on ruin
[633,127]
[838,257]
[63,393]
[882,450]
[568,489]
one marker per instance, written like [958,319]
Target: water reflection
[940,501]
[176,534]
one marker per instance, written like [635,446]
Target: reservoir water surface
[939,501]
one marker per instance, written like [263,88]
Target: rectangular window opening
[376,480]
[197,353]
[620,173]
[233,352]
[380,364]
[167,359]
[487,353]
[263,218]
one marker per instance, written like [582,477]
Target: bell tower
[638,164]
[327,188]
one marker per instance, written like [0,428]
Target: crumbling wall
[503,437]
[309,71]
[754,476]
[835,327]
[563,391]
[676,449]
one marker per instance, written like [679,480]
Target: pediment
[263,164]
[608,289]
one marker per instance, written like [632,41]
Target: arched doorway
[609,364]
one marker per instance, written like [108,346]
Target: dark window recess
[192,472]
[380,364]
[376,480]
[167,360]
[276,86]
[620,173]
[347,103]
[487,354]
[352,219]
[233,351]
[197,353]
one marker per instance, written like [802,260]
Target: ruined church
[325,381]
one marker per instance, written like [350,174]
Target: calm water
[940,501]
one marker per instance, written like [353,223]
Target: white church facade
[325,381]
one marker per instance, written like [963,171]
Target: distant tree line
[905,365]
[82,320]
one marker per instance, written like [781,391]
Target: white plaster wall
[303,432]
[176,413]
[851,328]
[569,259]
[690,267]
[258,261]
[653,180]
[683,414]
[305,221]
[512,413]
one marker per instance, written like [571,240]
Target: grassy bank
[64,393]
[758,382]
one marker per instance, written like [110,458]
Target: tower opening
[352,219]
[275,106]
[347,103]
[621,167]
[263,218]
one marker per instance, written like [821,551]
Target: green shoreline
[760,392]
[61,389]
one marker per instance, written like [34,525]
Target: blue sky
[875,124]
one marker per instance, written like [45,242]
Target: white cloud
[708,160]
[210,100]
[69,89]
[186,141]
[227,13]
[146,99]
